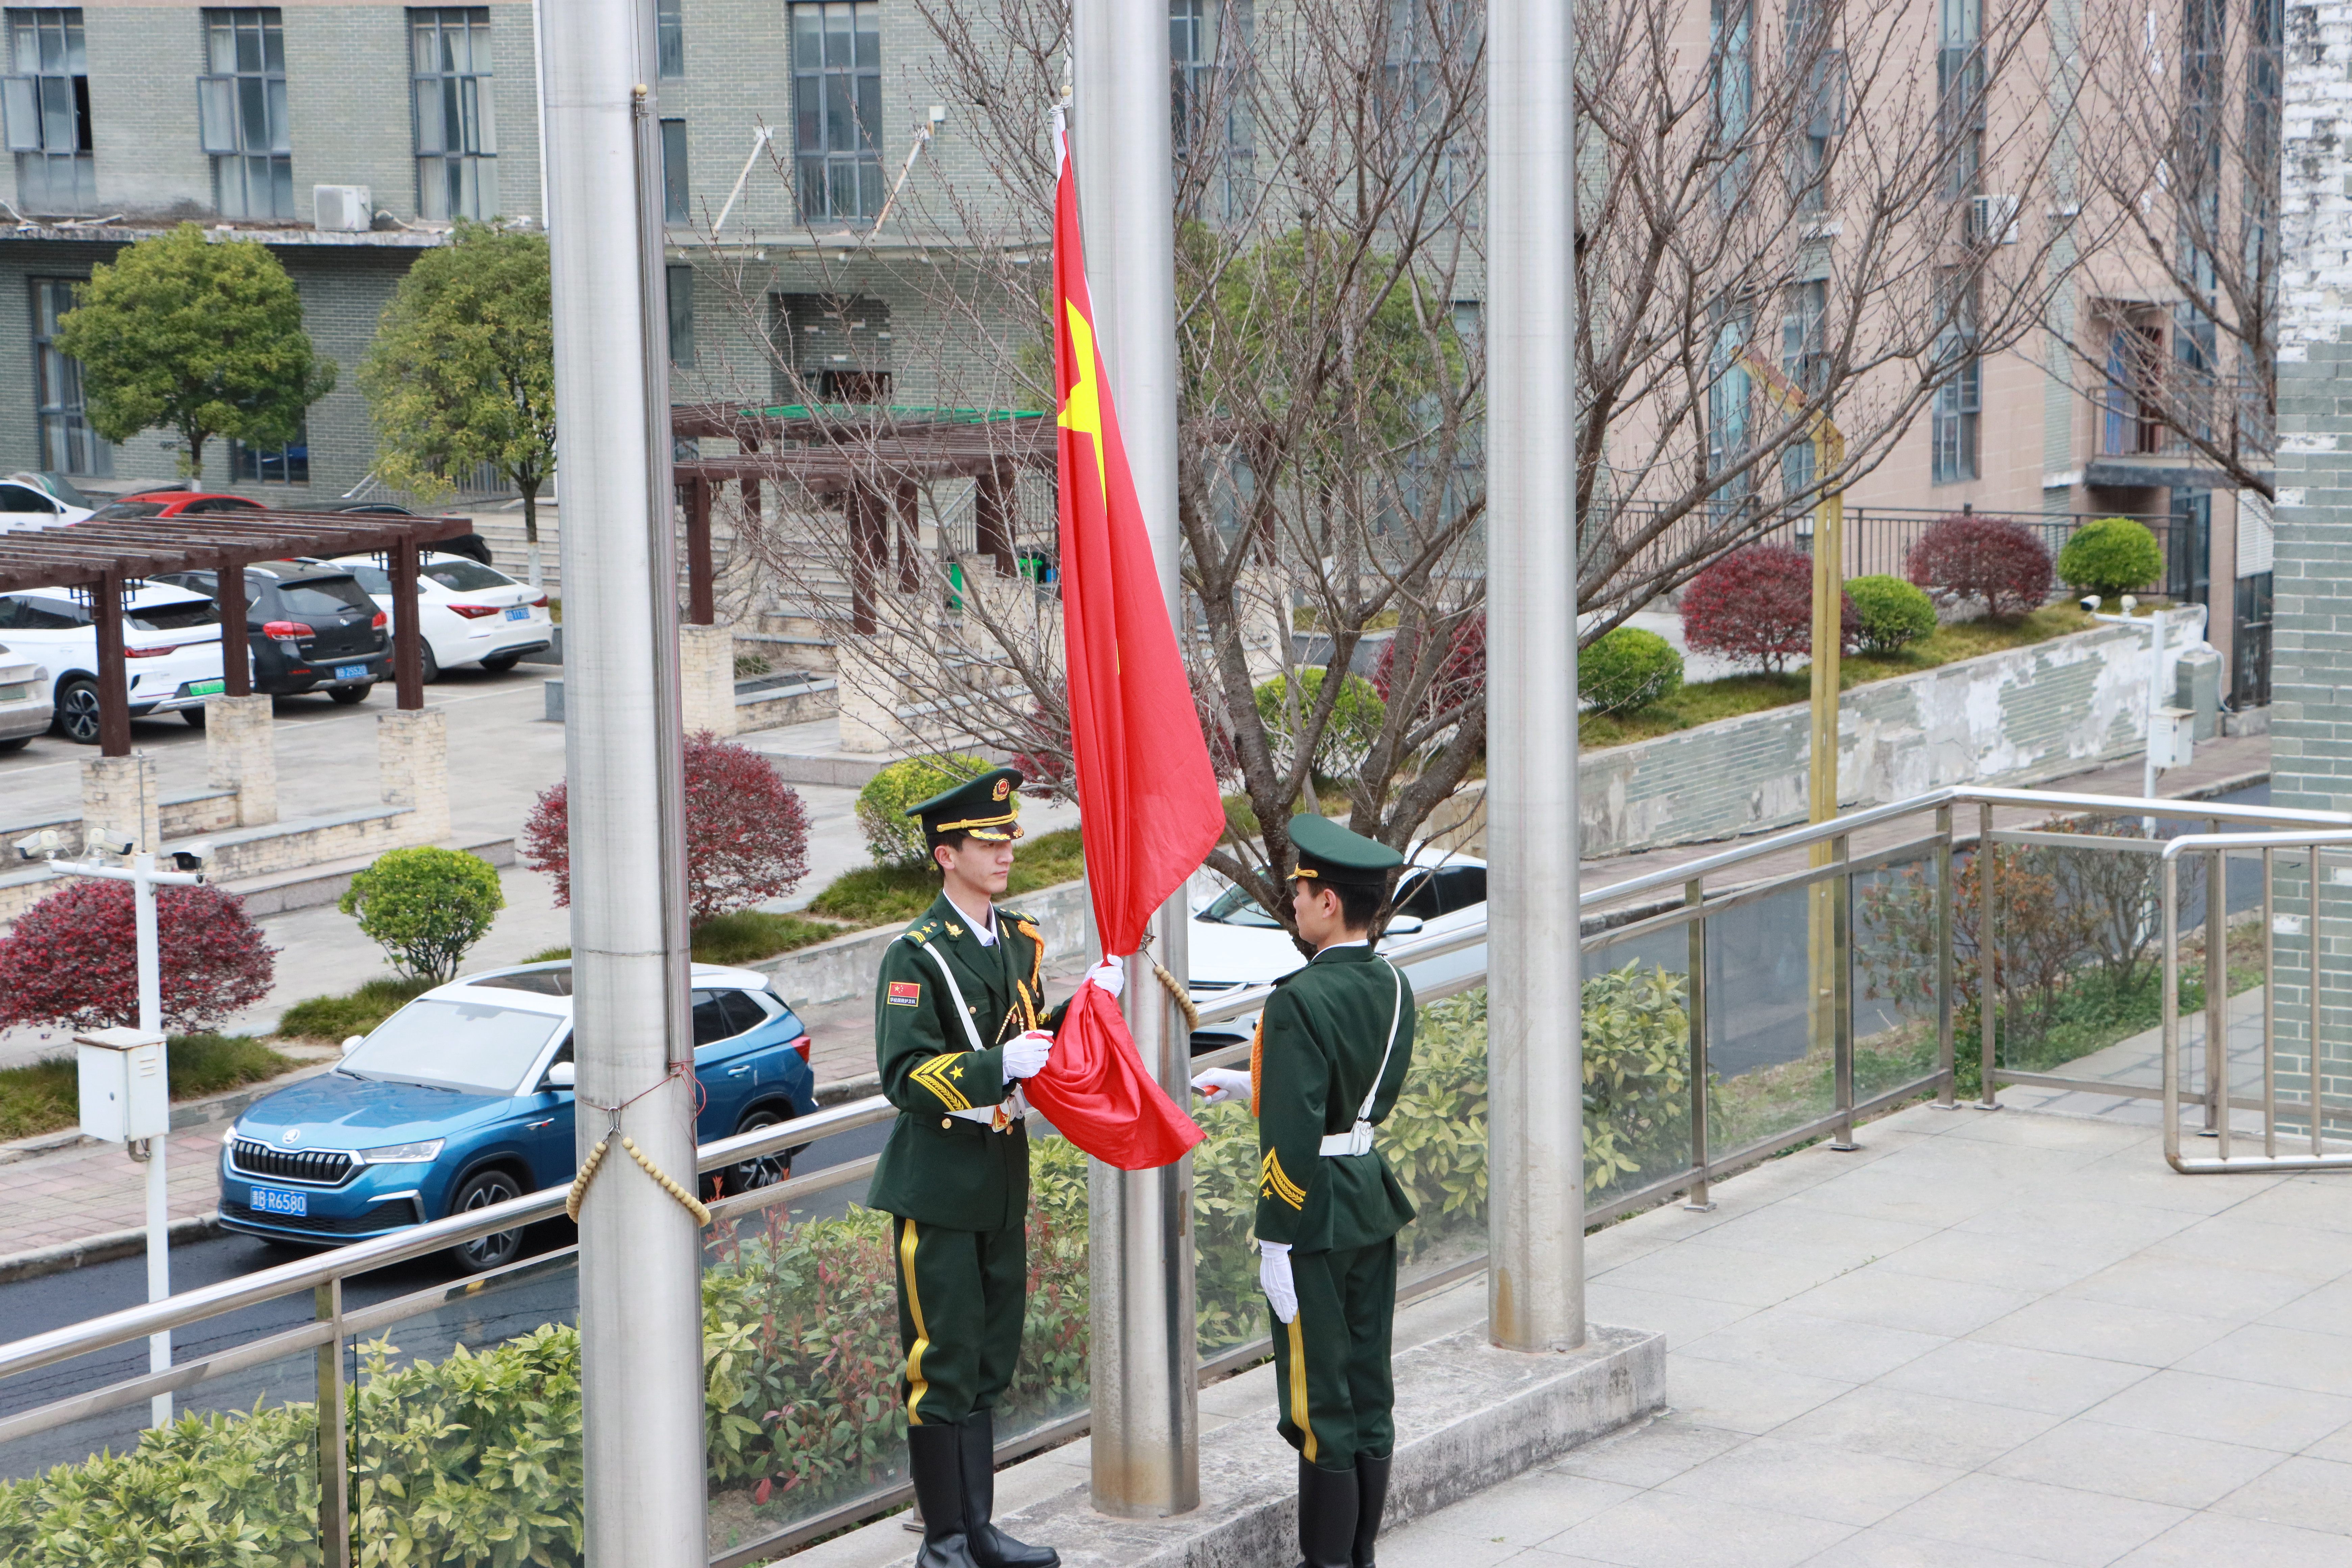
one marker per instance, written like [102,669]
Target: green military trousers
[961,1297]
[1331,1362]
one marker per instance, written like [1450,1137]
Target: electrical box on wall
[2172,738]
[125,1088]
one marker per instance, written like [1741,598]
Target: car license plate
[276,1200]
[207,688]
[519,612]
[351,672]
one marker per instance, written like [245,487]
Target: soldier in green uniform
[959,1021]
[1332,1049]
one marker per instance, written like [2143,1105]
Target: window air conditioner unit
[345,210]
[1993,220]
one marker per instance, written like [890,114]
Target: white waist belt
[1357,1140]
[1014,1109]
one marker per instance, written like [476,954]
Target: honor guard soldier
[1332,1049]
[959,1021]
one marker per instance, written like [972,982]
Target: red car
[176,503]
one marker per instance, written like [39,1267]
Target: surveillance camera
[99,844]
[192,857]
[33,845]
[2091,604]
[2131,602]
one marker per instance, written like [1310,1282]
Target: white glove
[1273,1279]
[1222,1086]
[1110,974]
[1024,1054]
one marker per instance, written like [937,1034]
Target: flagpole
[1144,1346]
[1534,1279]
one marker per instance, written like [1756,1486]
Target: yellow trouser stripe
[916,1386]
[1298,1388]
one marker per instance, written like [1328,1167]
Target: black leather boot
[1326,1515]
[991,1547]
[935,1460]
[1371,1496]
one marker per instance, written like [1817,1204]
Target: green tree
[462,370]
[424,907]
[195,336]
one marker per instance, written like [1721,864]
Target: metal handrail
[2191,843]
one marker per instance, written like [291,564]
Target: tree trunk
[529,489]
[195,459]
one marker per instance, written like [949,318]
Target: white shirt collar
[983,926]
[1334,947]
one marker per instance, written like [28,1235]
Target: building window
[1960,93]
[2188,552]
[1415,99]
[47,101]
[1209,52]
[2128,422]
[1959,399]
[68,446]
[681,315]
[669,37]
[1805,360]
[286,464]
[457,130]
[1728,397]
[675,206]
[1823,71]
[837,107]
[241,111]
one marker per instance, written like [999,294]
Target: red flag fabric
[1148,799]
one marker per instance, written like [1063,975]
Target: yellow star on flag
[1082,404]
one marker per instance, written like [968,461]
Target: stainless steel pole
[158,1186]
[1534,1143]
[640,1255]
[1144,1347]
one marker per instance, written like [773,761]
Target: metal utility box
[126,1091]
[2172,738]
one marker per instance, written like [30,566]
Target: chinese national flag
[1148,798]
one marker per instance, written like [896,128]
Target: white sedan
[171,650]
[25,705]
[471,614]
[30,501]
[1234,942]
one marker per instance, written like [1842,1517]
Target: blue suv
[463,1099]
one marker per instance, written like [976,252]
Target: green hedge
[1894,613]
[1628,669]
[2112,555]
[892,836]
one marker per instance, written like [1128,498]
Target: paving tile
[2196,1405]
[2337,1445]
[1528,1509]
[2106,1328]
[2316,1201]
[2154,1278]
[1654,1451]
[2141,1176]
[1417,1545]
[2291,1358]
[1883,1547]
[1790,1229]
[1740,1397]
[2079,1221]
[1659,1530]
[2002,1262]
[1793,1340]
[2058,1524]
[1722,1274]
[1815,1480]
[2069,1133]
[1681,1319]
[1885,1300]
[2308,1493]
[2218,1540]
[2045,1381]
[2131,1462]
[2326,1309]
[1930,1428]
[2228,1241]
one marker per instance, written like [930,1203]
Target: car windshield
[175,614]
[1234,907]
[324,597]
[477,1046]
[464,576]
[123,508]
[370,579]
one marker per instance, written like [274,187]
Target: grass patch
[746,936]
[45,1096]
[892,894]
[1705,701]
[336,1018]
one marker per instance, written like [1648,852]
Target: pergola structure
[874,458]
[105,557]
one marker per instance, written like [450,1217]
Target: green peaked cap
[1331,853]
[986,807]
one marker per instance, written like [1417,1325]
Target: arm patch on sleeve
[1274,1182]
[906,993]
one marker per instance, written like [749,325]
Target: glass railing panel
[1636,1007]
[1769,1056]
[1435,1139]
[1895,943]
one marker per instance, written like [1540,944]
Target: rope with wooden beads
[686,1200]
[1179,993]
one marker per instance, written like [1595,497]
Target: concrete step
[308,887]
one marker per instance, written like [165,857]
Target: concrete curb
[1468,1416]
[70,1255]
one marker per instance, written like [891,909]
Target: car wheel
[77,718]
[195,716]
[426,662]
[750,1175]
[351,695]
[499,663]
[479,1192]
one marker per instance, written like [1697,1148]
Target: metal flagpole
[640,1252]
[1144,1344]
[1535,1144]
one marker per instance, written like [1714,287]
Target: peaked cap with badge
[987,808]
[1331,853]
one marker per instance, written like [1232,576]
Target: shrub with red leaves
[1757,605]
[1990,558]
[746,831]
[73,958]
[1044,756]
[1461,675]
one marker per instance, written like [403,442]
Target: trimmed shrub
[1627,669]
[892,836]
[1893,613]
[1355,723]
[425,907]
[1964,556]
[746,831]
[1756,604]
[73,958]
[2112,555]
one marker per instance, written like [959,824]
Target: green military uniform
[1330,1056]
[954,1176]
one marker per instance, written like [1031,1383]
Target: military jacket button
[946,1121]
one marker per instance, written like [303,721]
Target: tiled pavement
[95,1189]
[1981,1340]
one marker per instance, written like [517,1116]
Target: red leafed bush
[1757,605]
[1990,558]
[746,831]
[73,958]
[1461,675]
[1044,756]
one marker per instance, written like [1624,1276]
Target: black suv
[311,627]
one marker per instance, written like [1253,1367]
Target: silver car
[26,706]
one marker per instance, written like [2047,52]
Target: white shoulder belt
[983,1114]
[1358,1139]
